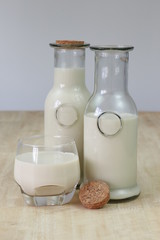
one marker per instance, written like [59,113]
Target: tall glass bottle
[65,103]
[110,124]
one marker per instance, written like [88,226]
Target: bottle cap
[94,194]
[69,44]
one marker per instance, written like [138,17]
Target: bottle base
[120,194]
[48,200]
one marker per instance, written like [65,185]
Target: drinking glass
[47,169]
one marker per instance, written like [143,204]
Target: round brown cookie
[94,194]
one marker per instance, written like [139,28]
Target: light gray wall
[28,26]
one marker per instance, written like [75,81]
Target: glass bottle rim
[28,141]
[112,47]
[69,45]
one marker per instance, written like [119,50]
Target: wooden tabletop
[137,219]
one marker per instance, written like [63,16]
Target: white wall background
[28,26]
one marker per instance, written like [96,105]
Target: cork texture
[69,42]
[94,194]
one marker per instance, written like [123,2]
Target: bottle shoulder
[73,96]
[113,102]
[69,92]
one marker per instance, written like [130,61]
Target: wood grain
[135,219]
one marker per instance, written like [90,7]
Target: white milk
[112,159]
[65,105]
[54,173]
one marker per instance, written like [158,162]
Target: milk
[65,105]
[48,173]
[112,159]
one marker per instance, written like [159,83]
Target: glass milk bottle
[66,102]
[110,124]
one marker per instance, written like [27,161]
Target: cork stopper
[69,44]
[94,194]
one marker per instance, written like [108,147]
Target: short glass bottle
[66,101]
[110,125]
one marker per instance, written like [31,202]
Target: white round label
[109,123]
[66,115]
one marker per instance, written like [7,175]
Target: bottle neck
[69,58]
[111,71]
[69,67]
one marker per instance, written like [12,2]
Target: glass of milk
[47,169]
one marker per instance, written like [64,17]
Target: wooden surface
[137,219]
